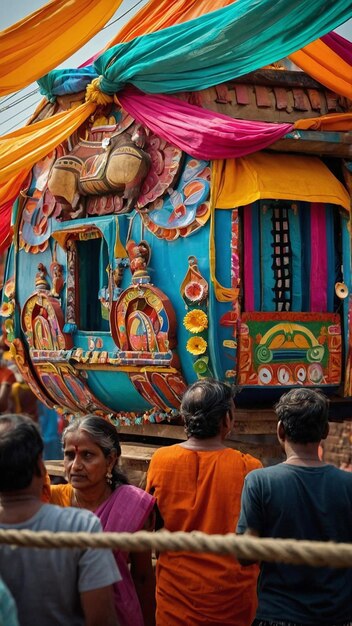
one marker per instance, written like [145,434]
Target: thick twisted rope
[313,553]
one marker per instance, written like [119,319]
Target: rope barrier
[290,551]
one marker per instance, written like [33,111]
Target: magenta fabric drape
[126,510]
[199,132]
[318,265]
[248,283]
[339,45]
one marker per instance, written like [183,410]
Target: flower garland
[196,322]
[7,309]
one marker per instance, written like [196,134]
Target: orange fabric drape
[159,14]
[42,40]
[325,66]
[330,122]
[21,149]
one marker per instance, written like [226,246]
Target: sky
[17,108]
[14,116]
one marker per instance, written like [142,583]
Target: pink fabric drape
[127,510]
[339,45]
[318,265]
[199,132]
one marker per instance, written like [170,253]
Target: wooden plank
[262,96]
[167,431]
[331,99]
[315,99]
[279,77]
[313,145]
[242,96]
[301,100]
[281,98]
[222,94]
[260,427]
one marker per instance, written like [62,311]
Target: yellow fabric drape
[331,122]
[238,182]
[42,40]
[21,149]
[9,188]
[327,67]
[222,294]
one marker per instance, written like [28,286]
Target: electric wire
[19,100]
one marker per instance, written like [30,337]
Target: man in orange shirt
[198,486]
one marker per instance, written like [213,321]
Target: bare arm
[144,581]
[98,607]
[244,562]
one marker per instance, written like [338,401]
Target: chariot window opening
[92,263]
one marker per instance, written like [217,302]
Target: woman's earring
[108,477]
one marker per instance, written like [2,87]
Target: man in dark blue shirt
[302,498]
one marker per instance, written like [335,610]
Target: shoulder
[263,475]
[61,494]
[166,454]
[342,476]
[132,493]
[58,518]
[246,461]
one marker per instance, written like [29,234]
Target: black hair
[204,406]
[20,448]
[304,414]
[104,434]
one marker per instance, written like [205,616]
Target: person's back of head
[21,446]
[303,413]
[204,407]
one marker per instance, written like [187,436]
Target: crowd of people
[17,397]
[200,484]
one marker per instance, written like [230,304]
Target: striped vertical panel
[331,257]
[267,273]
[248,259]
[318,265]
[294,216]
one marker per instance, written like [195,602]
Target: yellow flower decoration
[9,288]
[195,321]
[7,309]
[196,345]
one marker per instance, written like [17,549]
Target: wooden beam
[282,78]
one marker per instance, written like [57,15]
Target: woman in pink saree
[91,453]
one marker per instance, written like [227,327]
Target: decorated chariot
[157,239]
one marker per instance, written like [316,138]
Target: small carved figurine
[41,282]
[139,255]
[57,278]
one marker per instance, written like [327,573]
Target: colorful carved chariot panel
[290,349]
[68,389]
[43,322]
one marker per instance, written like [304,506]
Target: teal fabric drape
[61,82]
[213,48]
[218,46]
